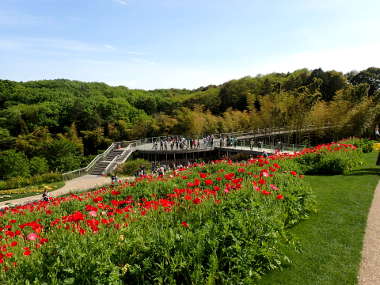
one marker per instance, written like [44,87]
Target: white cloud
[110,47]
[56,45]
[51,44]
[122,2]
[135,53]
[136,72]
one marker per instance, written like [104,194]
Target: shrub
[18,182]
[132,166]
[363,144]
[46,178]
[330,162]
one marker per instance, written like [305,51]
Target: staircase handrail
[99,156]
[128,144]
[125,152]
[78,172]
[113,161]
[120,158]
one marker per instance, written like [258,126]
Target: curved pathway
[82,183]
[369,273]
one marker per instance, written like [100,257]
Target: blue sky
[183,43]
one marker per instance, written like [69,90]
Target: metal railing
[241,136]
[119,159]
[245,145]
[79,172]
[112,165]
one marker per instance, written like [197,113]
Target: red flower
[229,176]
[197,201]
[279,197]
[27,252]
[187,197]
[43,240]
[209,182]
[9,254]
[203,175]
[98,199]
[13,243]
[184,224]
[293,173]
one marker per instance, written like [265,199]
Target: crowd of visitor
[182,143]
[159,169]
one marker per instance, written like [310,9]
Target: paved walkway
[75,185]
[369,273]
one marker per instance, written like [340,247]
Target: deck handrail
[128,144]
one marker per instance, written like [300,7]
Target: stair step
[100,166]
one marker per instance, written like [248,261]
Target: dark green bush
[46,178]
[132,166]
[326,162]
[363,144]
[18,182]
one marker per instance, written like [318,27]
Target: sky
[150,44]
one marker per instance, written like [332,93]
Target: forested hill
[59,121]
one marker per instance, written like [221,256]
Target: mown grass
[331,240]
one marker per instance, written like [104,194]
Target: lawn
[331,240]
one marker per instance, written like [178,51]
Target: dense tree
[38,165]
[371,76]
[63,155]
[332,81]
[59,121]
[6,140]
[13,163]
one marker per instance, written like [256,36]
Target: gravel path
[370,266]
[75,185]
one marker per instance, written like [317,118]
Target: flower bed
[222,222]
